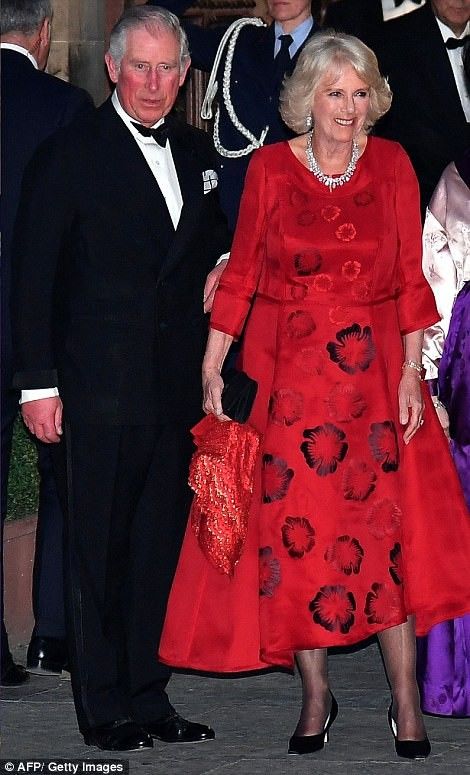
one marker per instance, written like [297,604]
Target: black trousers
[48,585]
[127,503]
[9,410]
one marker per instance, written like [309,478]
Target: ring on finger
[421,421]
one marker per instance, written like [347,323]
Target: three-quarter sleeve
[415,303]
[239,281]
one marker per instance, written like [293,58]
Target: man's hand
[43,418]
[212,282]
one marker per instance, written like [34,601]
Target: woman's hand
[212,386]
[410,404]
[443,417]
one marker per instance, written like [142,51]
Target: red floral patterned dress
[346,536]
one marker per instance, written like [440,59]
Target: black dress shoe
[119,736]
[47,656]
[303,744]
[13,675]
[175,729]
[408,749]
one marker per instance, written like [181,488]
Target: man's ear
[45,32]
[113,69]
[40,50]
[184,72]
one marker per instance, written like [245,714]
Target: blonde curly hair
[328,52]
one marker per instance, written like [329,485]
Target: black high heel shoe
[301,744]
[408,749]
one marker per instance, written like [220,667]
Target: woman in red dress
[346,537]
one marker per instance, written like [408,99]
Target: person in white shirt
[118,226]
[34,105]
[421,54]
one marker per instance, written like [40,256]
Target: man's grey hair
[24,16]
[153,19]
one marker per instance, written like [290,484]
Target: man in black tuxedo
[118,226]
[34,104]
[365,18]
[249,111]
[421,53]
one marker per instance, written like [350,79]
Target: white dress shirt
[162,166]
[160,161]
[455,58]
[20,50]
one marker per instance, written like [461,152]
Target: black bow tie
[159,134]
[457,42]
[399,2]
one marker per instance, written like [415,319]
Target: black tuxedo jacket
[254,91]
[34,105]
[426,116]
[109,297]
[362,18]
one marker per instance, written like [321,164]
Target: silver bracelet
[416,366]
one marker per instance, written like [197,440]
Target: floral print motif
[276,478]
[298,198]
[346,232]
[345,555]
[360,290]
[382,604]
[307,262]
[298,536]
[298,291]
[305,218]
[330,213]
[345,402]
[324,449]
[300,324]
[351,270]
[286,406]
[358,481]
[396,568]
[383,444]
[363,199]
[384,518]
[269,572]
[340,316]
[310,360]
[355,351]
[323,283]
[333,607]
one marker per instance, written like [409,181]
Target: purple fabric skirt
[443,656]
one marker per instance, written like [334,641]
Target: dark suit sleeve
[221,236]
[203,41]
[39,234]
[79,105]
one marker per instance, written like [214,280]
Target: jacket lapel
[437,74]
[133,171]
[192,192]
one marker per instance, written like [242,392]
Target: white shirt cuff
[223,257]
[37,393]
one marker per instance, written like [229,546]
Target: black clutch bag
[238,395]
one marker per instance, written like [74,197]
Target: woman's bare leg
[398,646]
[316,699]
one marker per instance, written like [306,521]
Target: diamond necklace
[328,180]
